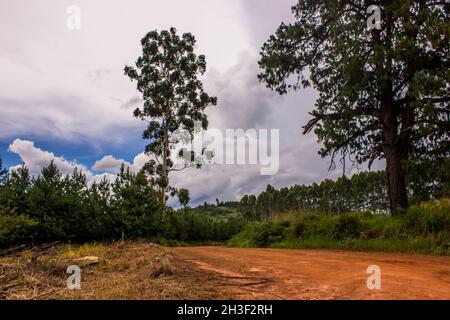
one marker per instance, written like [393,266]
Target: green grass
[412,245]
[177,243]
[421,229]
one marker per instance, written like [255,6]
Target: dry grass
[162,266]
[88,249]
[127,270]
[30,275]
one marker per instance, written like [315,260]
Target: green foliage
[428,218]
[134,205]
[167,75]
[347,226]
[363,191]
[15,228]
[183,197]
[188,226]
[3,172]
[256,234]
[429,178]
[260,234]
[51,207]
[14,190]
[421,228]
[224,209]
[383,93]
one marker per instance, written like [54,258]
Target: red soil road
[320,274]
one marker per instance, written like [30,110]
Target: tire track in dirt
[320,274]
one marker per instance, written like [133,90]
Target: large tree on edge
[167,76]
[383,93]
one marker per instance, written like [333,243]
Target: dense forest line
[53,207]
[365,191]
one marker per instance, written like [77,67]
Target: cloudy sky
[64,96]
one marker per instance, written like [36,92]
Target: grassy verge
[178,243]
[423,229]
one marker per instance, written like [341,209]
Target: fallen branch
[12,250]
[22,247]
[45,246]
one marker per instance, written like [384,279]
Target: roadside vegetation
[423,228]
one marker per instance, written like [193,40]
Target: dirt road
[142,270]
[319,274]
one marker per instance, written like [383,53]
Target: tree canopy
[167,75]
[57,207]
[383,93]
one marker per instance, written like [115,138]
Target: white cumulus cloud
[110,164]
[35,158]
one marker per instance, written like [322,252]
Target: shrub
[261,233]
[428,218]
[299,229]
[443,239]
[347,227]
[15,228]
[255,234]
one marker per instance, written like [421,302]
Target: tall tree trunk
[395,145]
[396,174]
[162,195]
[396,149]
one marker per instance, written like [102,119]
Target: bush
[261,233]
[347,227]
[15,228]
[300,229]
[428,218]
[443,239]
[255,234]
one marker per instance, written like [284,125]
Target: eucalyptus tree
[3,172]
[384,92]
[167,75]
[183,197]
